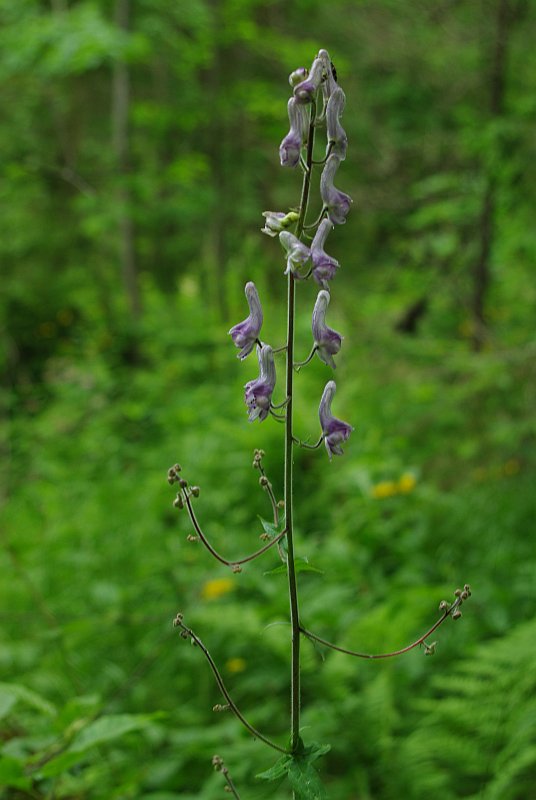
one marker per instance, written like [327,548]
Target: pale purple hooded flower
[276,221]
[338,203]
[324,266]
[258,396]
[336,134]
[297,252]
[290,147]
[328,342]
[246,333]
[329,84]
[334,430]
[305,91]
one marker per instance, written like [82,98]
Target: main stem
[291,569]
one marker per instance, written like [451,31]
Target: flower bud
[297,76]
[456,614]
[195,491]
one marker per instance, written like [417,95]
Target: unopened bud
[217,762]
[263,480]
[171,479]
[192,538]
[464,595]
[458,592]
[297,76]
[457,614]
[467,589]
[184,634]
[236,568]
[177,468]
[195,491]
[443,605]
[281,504]
[227,788]
[178,619]
[183,483]
[178,502]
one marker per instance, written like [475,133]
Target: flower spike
[338,203]
[335,431]
[327,341]
[258,396]
[246,333]
[324,266]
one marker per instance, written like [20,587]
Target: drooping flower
[327,341]
[276,221]
[297,252]
[334,430]
[290,147]
[336,134]
[338,203]
[324,266]
[246,333]
[258,396]
[305,91]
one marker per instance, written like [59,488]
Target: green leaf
[271,528]
[305,780]
[99,732]
[301,564]
[279,769]
[10,693]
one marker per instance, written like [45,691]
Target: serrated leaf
[279,770]
[18,692]
[301,564]
[305,780]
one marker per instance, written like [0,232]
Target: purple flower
[324,266]
[276,221]
[327,341]
[246,333]
[305,91]
[297,252]
[336,134]
[338,203]
[290,147]
[335,431]
[258,397]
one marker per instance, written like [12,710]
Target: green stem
[291,569]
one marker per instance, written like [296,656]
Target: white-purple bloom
[276,221]
[258,396]
[290,147]
[334,430]
[338,203]
[336,134]
[324,266]
[246,333]
[305,91]
[328,342]
[297,252]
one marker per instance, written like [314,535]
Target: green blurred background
[139,146]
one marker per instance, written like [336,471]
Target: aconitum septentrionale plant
[317,103]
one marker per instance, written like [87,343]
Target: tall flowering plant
[317,102]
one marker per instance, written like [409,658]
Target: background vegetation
[139,147]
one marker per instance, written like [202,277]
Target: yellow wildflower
[384,489]
[236,665]
[216,588]
[406,483]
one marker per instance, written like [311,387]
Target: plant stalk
[291,569]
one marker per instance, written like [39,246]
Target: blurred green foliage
[99,696]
